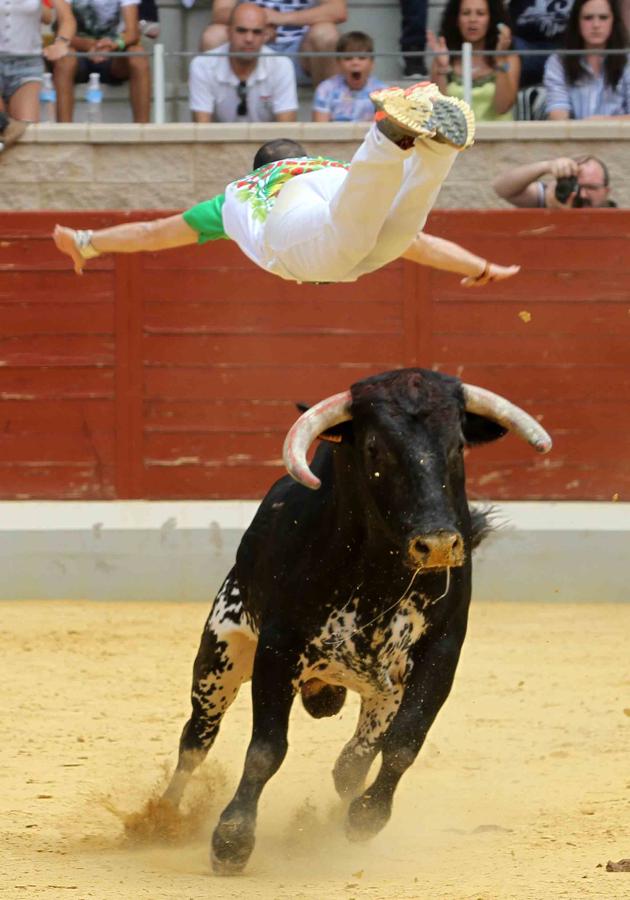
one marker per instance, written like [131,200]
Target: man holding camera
[575,183]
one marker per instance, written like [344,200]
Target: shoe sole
[12,133]
[410,115]
[452,120]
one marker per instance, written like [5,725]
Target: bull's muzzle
[440,550]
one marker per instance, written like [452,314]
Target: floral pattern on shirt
[261,187]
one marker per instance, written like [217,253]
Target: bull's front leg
[275,665]
[377,711]
[428,687]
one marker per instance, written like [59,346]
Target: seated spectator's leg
[24,103]
[216,33]
[413,28]
[135,68]
[23,82]
[532,67]
[320,38]
[65,72]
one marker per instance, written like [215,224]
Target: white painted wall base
[138,550]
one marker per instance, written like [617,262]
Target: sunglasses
[241,93]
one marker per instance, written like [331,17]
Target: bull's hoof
[324,701]
[232,845]
[366,818]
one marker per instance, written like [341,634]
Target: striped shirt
[590,96]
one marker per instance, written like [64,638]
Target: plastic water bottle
[94,98]
[47,99]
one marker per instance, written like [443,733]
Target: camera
[567,186]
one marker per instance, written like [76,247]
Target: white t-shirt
[213,87]
[20,26]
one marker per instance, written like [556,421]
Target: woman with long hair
[590,85]
[495,78]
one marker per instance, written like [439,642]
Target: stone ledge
[188,132]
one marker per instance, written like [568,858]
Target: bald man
[252,85]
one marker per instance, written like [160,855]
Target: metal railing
[159,54]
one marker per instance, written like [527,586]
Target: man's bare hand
[64,239]
[563,167]
[493,272]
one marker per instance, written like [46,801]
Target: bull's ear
[480,430]
[334,435]
[337,433]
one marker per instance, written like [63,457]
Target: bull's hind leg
[353,764]
[224,661]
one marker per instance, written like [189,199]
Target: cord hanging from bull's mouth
[337,642]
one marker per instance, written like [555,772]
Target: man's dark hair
[357,41]
[281,148]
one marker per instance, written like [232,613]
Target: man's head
[356,69]
[593,182]
[247,29]
[282,148]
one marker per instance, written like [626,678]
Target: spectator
[413,30]
[590,85]
[21,64]
[538,25]
[495,80]
[346,96]
[295,26]
[243,88]
[97,33]
[586,183]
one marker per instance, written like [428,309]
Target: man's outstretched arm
[438,253]
[158,234]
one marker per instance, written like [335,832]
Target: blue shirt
[335,97]
[589,96]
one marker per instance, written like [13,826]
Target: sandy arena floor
[521,790]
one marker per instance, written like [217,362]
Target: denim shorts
[18,70]
[291,47]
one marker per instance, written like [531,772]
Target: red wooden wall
[174,375]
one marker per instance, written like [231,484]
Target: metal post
[159,87]
[467,71]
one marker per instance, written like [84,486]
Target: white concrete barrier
[137,550]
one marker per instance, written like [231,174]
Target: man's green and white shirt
[241,212]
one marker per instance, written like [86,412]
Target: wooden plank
[385,351]
[546,383]
[31,319]
[532,317]
[16,287]
[282,383]
[27,384]
[56,447]
[530,349]
[273,317]
[40,416]
[80,482]
[217,415]
[56,350]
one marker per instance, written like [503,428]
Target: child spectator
[590,85]
[494,79]
[346,96]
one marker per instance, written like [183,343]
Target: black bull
[364,584]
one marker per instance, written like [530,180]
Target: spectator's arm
[66,30]
[519,185]
[131,25]
[221,11]
[508,74]
[321,116]
[335,11]
[558,99]
[203,118]
[321,102]
[428,250]
[290,116]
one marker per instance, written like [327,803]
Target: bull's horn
[303,432]
[493,406]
